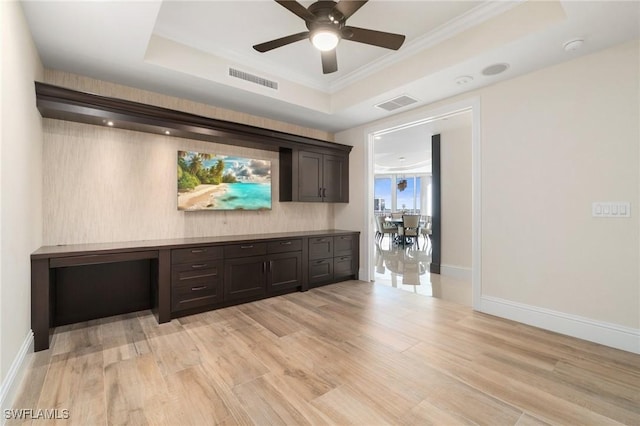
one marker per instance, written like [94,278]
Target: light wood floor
[349,353]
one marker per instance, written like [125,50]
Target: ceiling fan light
[325,40]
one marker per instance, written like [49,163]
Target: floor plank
[348,353]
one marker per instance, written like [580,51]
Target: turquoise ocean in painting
[247,196]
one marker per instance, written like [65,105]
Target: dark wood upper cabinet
[335,179]
[311,176]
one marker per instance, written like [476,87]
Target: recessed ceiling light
[109,123]
[572,45]
[463,79]
[166,132]
[495,69]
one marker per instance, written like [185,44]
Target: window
[382,195]
[388,196]
[408,193]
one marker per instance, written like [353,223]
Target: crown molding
[473,17]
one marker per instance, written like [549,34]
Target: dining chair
[385,228]
[397,215]
[425,230]
[410,228]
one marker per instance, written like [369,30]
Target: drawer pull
[320,262]
[345,238]
[199,251]
[199,265]
[198,288]
[247,247]
[285,243]
[344,258]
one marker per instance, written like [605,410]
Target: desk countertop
[47,252]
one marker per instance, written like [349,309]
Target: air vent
[395,103]
[253,78]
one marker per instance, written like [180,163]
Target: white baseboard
[613,335]
[454,271]
[13,379]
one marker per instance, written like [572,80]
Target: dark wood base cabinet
[181,277]
[332,258]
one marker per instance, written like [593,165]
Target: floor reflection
[407,268]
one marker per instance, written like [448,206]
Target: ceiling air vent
[395,103]
[253,78]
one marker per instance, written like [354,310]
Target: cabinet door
[309,176]
[335,179]
[244,278]
[285,271]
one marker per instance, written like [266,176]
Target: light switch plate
[611,209]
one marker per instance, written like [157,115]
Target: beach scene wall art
[222,182]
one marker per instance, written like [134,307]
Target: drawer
[343,245]
[243,250]
[196,294]
[284,246]
[194,271]
[195,254]
[320,271]
[320,247]
[343,266]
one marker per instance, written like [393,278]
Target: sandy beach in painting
[202,197]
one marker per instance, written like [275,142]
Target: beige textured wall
[554,141]
[104,88]
[104,184]
[455,161]
[21,178]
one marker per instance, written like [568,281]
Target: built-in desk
[178,277]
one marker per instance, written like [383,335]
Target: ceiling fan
[326,21]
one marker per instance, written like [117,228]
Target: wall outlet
[611,209]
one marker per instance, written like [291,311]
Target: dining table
[398,222]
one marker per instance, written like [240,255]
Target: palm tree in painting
[195,165]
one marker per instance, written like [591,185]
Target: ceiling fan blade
[348,8]
[376,38]
[297,8]
[279,42]
[329,61]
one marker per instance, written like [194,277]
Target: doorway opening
[399,175]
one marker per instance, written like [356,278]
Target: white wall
[21,178]
[455,164]
[552,142]
[105,184]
